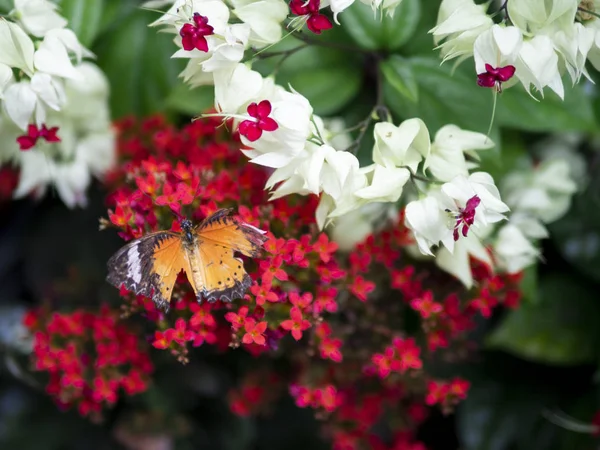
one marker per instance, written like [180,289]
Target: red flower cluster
[89,356]
[350,325]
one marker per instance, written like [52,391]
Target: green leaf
[444,98]
[137,61]
[84,16]
[502,414]
[560,328]
[189,101]
[518,110]
[373,32]
[454,97]
[577,234]
[327,77]
[400,76]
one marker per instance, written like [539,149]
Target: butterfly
[149,265]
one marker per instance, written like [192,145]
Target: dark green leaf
[516,109]
[561,328]
[501,415]
[327,77]
[191,101]
[373,32]
[84,16]
[137,61]
[398,73]
[577,234]
[444,98]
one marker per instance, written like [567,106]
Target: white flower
[544,192]
[292,112]
[52,55]
[385,185]
[38,16]
[302,175]
[458,262]
[460,207]
[533,16]
[337,6]
[459,24]
[6,77]
[389,6]
[265,18]
[513,251]
[353,227]
[16,48]
[573,45]
[236,88]
[404,145]
[21,102]
[535,60]
[447,157]
[429,223]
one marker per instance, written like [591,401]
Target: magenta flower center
[29,140]
[466,217]
[193,36]
[495,76]
[252,129]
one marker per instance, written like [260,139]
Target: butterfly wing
[219,236]
[149,266]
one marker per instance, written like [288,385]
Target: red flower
[263,293]
[180,333]
[324,247]
[121,217]
[169,197]
[272,268]
[30,139]
[425,305]
[494,77]
[297,324]
[105,390]
[330,348]
[237,320]
[315,22]
[253,129]
[361,288]
[254,332]
[193,36]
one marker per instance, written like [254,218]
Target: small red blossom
[263,293]
[426,306]
[362,287]
[180,333]
[324,247]
[495,76]
[315,21]
[237,320]
[297,324]
[29,140]
[254,332]
[330,348]
[193,36]
[272,269]
[253,129]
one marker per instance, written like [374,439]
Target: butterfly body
[149,265]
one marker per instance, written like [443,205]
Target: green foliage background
[543,356]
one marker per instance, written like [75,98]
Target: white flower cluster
[538,194]
[540,39]
[55,123]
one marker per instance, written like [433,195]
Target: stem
[591,13]
[374,114]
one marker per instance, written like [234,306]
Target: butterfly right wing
[149,266]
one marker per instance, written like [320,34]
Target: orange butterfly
[149,265]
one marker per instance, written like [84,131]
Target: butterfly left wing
[149,266]
[219,236]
